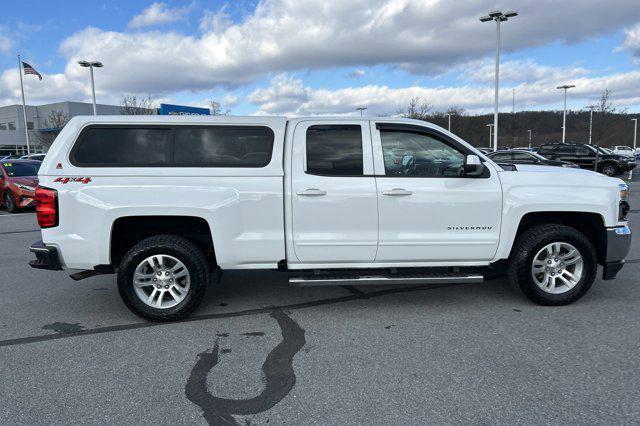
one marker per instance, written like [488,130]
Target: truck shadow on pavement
[278,376]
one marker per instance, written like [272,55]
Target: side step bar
[383,279]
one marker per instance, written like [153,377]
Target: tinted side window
[335,150]
[223,146]
[583,150]
[521,156]
[124,147]
[419,155]
[564,150]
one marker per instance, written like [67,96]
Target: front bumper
[46,257]
[626,167]
[618,244]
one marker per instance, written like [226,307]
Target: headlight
[25,187]
[623,206]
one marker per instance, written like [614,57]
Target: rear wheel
[163,278]
[9,202]
[609,169]
[553,264]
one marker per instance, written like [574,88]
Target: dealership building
[12,135]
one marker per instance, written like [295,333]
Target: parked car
[165,200]
[38,157]
[11,157]
[624,150]
[18,182]
[517,156]
[485,150]
[585,156]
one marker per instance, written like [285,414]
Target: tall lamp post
[449,114]
[529,138]
[635,134]
[565,87]
[635,137]
[361,109]
[91,66]
[590,108]
[490,126]
[498,17]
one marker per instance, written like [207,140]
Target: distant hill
[608,129]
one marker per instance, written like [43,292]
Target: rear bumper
[46,257]
[618,244]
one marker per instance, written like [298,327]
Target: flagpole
[24,106]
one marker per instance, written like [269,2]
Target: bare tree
[418,109]
[53,124]
[603,117]
[216,108]
[131,105]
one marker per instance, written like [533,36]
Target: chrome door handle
[312,191]
[397,191]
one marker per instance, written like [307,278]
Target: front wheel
[9,202]
[163,278]
[553,264]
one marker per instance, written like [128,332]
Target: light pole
[361,109]
[590,108]
[565,87]
[498,17]
[91,65]
[635,133]
[490,126]
[449,114]
[529,138]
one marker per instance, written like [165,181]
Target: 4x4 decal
[73,179]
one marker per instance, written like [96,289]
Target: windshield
[604,150]
[538,156]
[21,169]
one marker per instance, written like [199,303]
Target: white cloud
[288,96]
[483,71]
[229,101]
[357,73]
[631,41]
[281,36]
[158,14]
[215,21]
[5,44]
[286,35]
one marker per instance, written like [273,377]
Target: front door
[429,211]
[333,193]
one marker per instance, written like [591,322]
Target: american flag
[28,69]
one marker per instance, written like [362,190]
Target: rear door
[583,157]
[333,193]
[429,212]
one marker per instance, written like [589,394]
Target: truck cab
[164,201]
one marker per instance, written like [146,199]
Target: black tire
[9,202]
[609,169]
[183,250]
[530,243]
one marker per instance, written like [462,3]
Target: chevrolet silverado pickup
[171,202]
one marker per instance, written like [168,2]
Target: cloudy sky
[323,56]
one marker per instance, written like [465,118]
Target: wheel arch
[126,231]
[592,225]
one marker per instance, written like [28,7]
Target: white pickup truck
[169,202]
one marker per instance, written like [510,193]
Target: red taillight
[47,207]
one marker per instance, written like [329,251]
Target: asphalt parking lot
[259,351]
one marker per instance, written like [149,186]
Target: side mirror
[473,166]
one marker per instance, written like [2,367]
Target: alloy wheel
[557,267]
[161,281]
